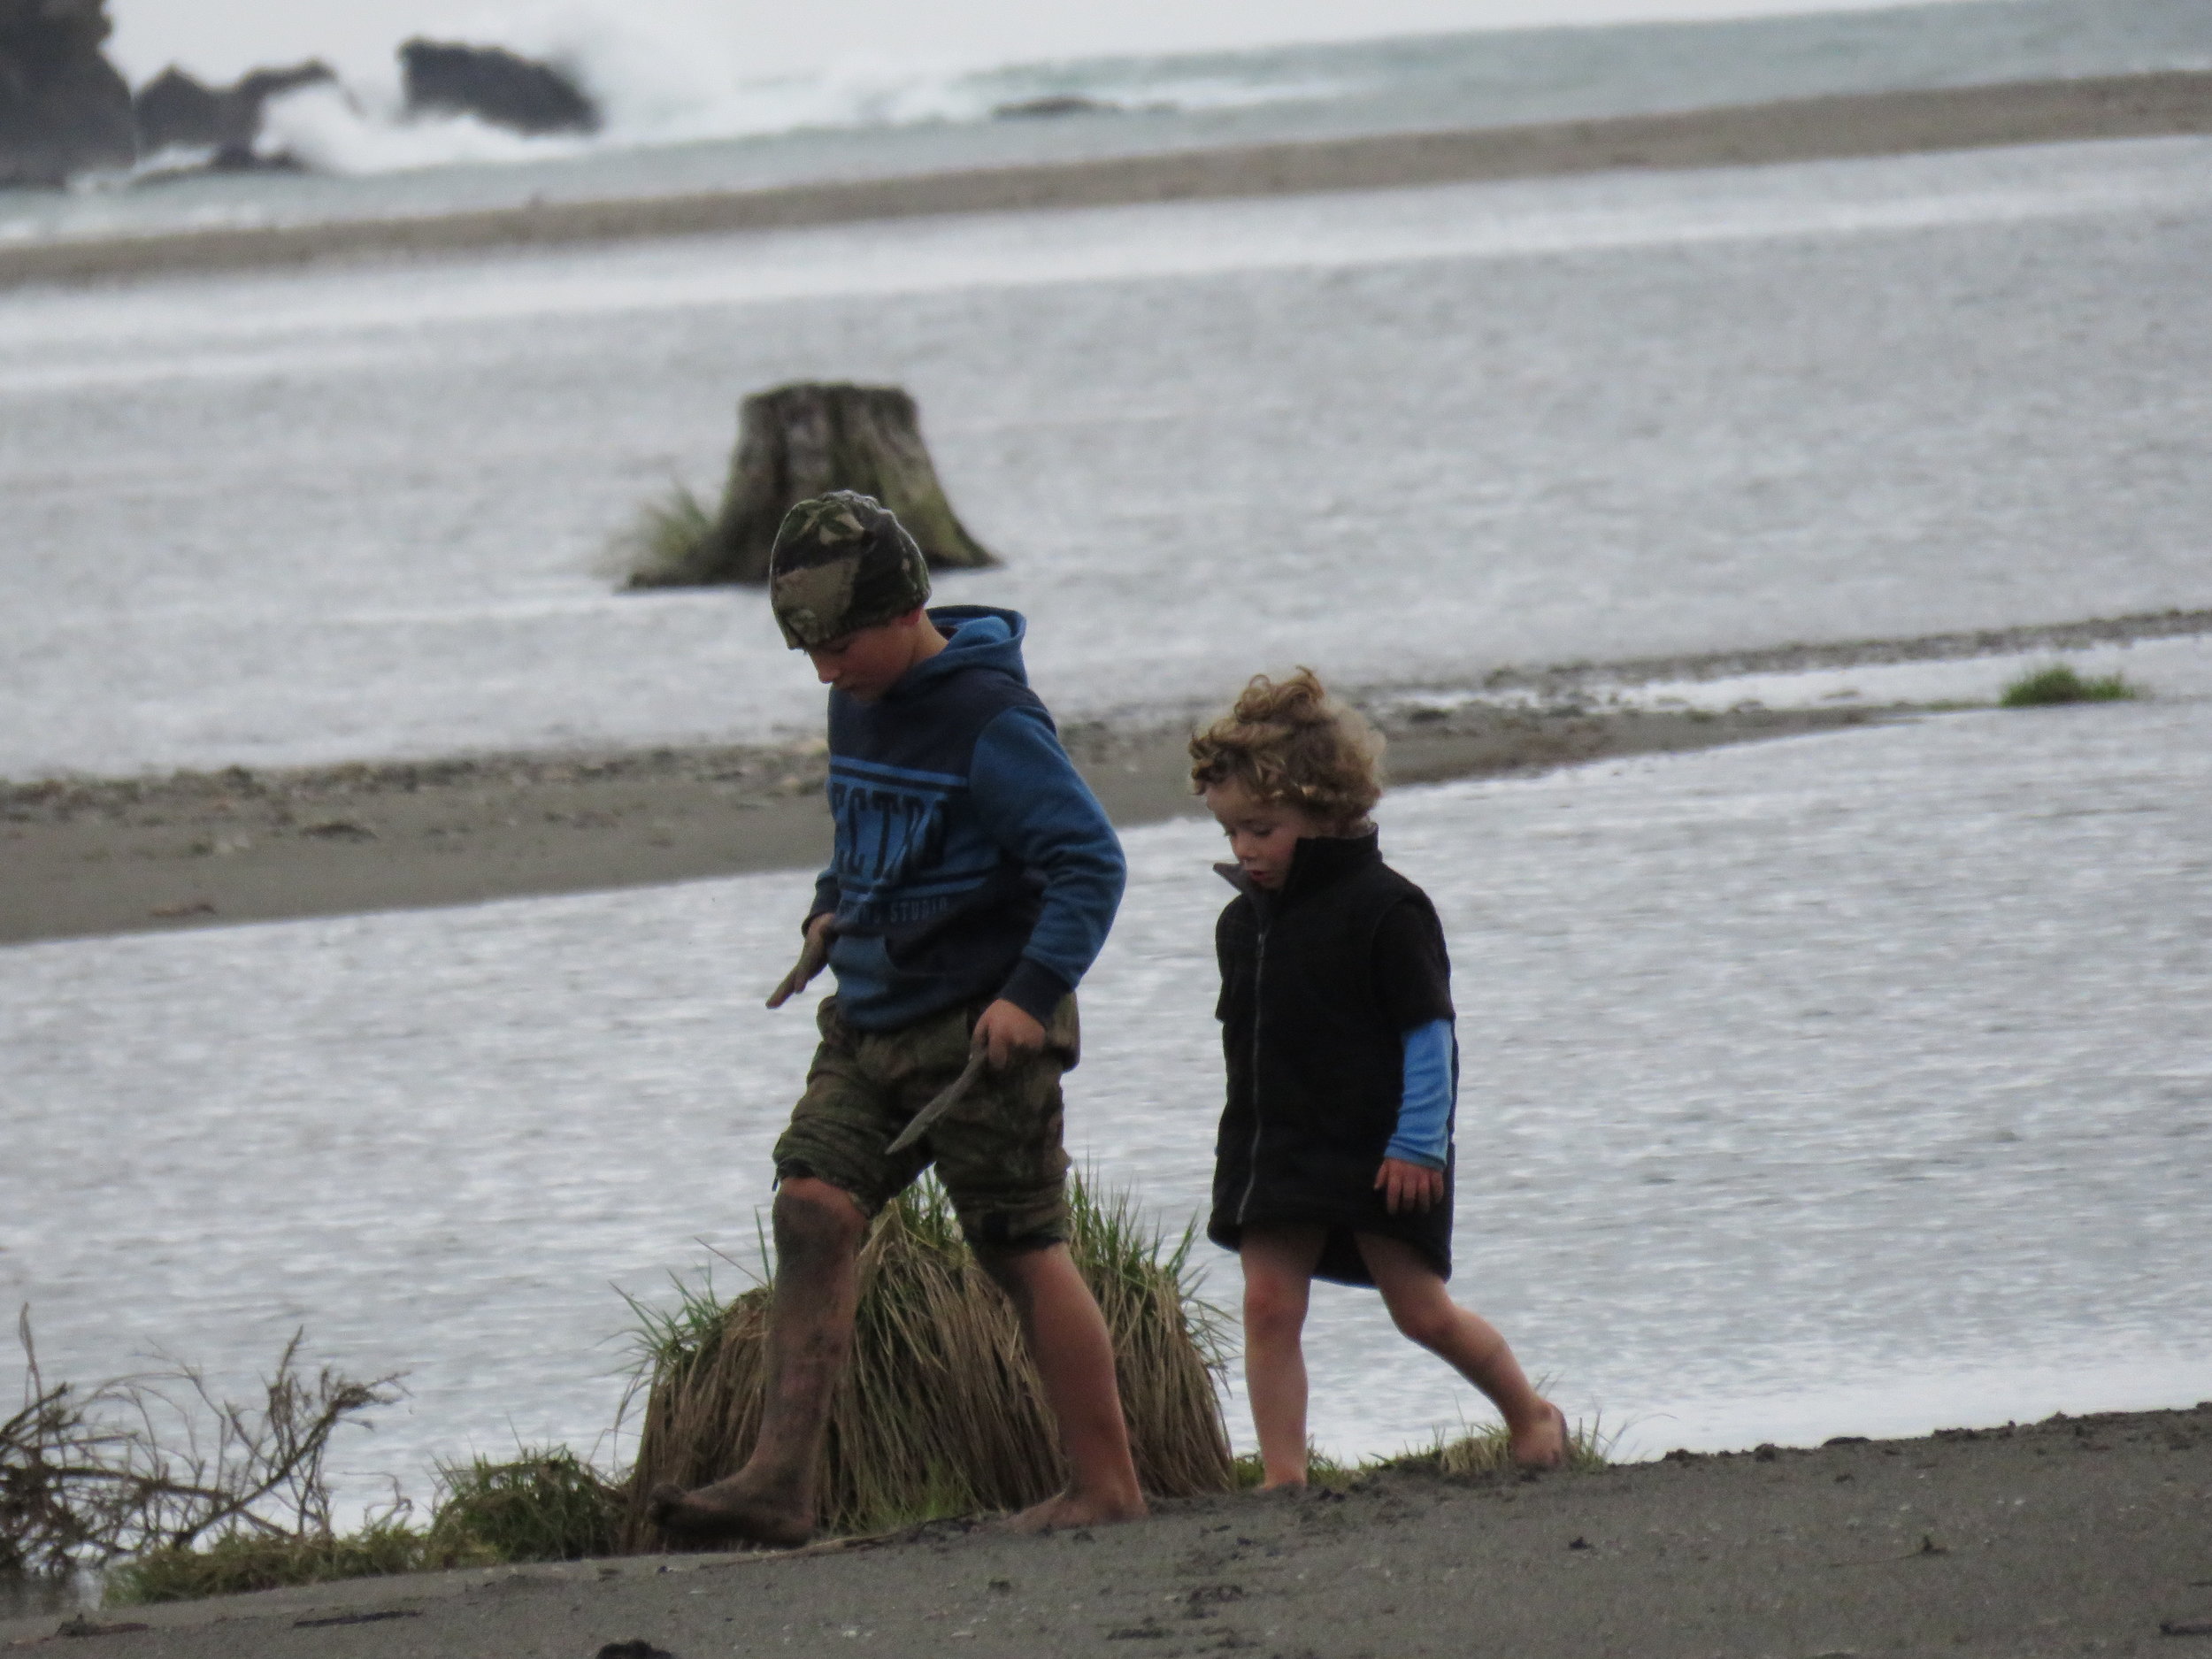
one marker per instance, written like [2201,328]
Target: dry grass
[157,1462]
[941,1413]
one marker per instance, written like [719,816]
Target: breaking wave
[662,85]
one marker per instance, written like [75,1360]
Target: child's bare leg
[1074,1356]
[771,1500]
[1424,1310]
[1278,1264]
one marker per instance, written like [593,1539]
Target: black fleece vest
[1316,1063]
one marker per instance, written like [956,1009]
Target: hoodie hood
[976,636]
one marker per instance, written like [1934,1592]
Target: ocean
[681,117]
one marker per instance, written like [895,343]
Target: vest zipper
[1252,1156]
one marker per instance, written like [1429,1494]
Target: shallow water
[1857,1083]
[1400,435]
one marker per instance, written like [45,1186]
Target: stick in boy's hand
[1408,1186]
[946,1099]
[813,957]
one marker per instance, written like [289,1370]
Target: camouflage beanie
[840,563]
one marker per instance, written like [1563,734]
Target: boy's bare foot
[1294,1487]
[1543,1444]
[1073,1508]
[728,1509]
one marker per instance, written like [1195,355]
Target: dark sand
[2092,1535]
[1809,129]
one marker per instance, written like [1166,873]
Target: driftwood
[802,441]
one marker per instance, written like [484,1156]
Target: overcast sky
[219,38]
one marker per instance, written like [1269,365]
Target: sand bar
[1809,129]
[87,856]
[2071,1536]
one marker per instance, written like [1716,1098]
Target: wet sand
[85,856]
[2083,1535]
[1808,129]
[206,849]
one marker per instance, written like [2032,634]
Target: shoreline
[90,856]
[2072,1535]
[1833,128]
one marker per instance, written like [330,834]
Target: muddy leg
[771,1500]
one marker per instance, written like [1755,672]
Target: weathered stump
[804,440]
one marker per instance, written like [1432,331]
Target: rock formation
[173,108]
[494,85]
[799,441]
[63,107]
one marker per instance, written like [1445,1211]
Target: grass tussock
[940,1412]
[242,1562]
[664,546]
[2059,683]
[547,1505]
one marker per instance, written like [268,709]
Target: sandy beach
[2070,1536]
[1808,129]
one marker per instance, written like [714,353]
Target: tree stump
[804,440]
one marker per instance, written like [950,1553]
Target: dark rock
[63,107]
[494,85]
[173,108]
[1059,104]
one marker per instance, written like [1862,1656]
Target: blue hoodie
[971,861]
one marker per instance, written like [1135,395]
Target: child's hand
[1005,1030]
[813,957]
[1408,1186]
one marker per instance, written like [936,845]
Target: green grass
[239,1563]
[1477,1452]
[941,1414]
[2059,683]
[663,547]
[546,1505]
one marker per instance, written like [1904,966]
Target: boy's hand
[1006,1030]
[1409,1187]
[813,955]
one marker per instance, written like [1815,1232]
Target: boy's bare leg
[1278,1264]
[771,1500]
[1074,1356]
[1424,1310]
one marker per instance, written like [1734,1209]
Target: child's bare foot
[1543,1442]
[1076,1509]
[1292,1486]
[731,1508]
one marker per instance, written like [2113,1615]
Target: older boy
[973,881]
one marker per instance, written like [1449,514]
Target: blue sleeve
[1032,803]
[1431,1087]
[824,896]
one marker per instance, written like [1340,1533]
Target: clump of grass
[546,1505]
[1487,1451]
[243,1562]
[2059,683]
[666,545]
[940,1412]
[1483,1451]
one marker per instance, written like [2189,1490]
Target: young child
[1334,1159]
[973,881]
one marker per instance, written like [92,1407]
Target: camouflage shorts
[997,1151]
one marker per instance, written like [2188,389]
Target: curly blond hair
[1288,744]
